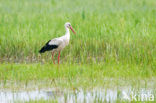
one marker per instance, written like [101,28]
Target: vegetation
[114,44]
[110,30]
[76,76]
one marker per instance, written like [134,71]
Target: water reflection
[80,96]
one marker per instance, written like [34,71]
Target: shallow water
[80,96]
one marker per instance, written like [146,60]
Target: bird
[58,44]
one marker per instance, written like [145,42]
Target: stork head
[68,25]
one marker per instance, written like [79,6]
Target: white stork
[57,44]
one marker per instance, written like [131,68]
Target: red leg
[58,57]
[52,57]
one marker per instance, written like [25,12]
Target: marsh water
[79,95]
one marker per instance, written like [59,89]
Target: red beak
[72,30]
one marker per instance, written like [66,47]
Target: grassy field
[77,76]
[115,44]
[110,30]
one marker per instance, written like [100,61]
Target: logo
[141,95]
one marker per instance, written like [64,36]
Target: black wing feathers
[48,47]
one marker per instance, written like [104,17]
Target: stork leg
[59,57]
[52,54]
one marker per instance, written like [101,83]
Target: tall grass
[107,30]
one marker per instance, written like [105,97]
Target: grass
[114,44]
[76,76]
[110,30]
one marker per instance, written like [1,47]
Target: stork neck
[67,35]
[67,31]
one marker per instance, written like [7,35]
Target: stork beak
[72,30]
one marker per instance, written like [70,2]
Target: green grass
[110,30]
[76,76]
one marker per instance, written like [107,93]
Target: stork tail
[43,49]
[48,47]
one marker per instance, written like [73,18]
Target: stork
[58,44]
